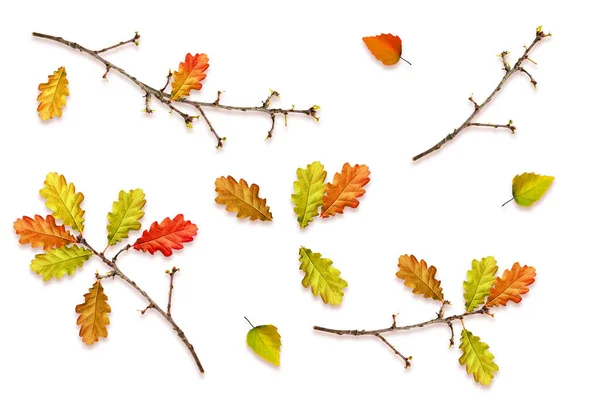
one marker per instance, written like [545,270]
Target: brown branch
[165,97]
[151,303]
[171,274]
[135,39]
[508,72]
[220,139]
[395,328]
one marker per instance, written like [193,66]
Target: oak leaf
[238,197]
[511,286]
[40,232]
[125,216]
[189,75]
[477,358]
[347,186]
[386,47]
[528,188]
[63,200]
[53,96]
[265,341]
[55,263]
[322,277]
[308,192]
[93,315]
[480,279]
[417,276]
[167,236]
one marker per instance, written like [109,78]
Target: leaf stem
[249,322]
[508,201]
[151,303]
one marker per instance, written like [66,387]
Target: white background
[445,209]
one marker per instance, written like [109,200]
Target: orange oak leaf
[386,47]
[166,237]
[93,315]
[189,75]
[347,186]
[511,286]
[241,198]
[40,232]
[419,277]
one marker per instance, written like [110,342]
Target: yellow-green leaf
[322,277]
[265,341]
[480,280]
[308,192]
[125,215]
[63,200]
[55,263]
[528,188]
[477,358]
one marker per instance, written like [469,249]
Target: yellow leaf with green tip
[308,192]
[322,277]
[480,280]
[265,341]
[477,358]
[528,188]
[125,215]
[55,263]
[63,200]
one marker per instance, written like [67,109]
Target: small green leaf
[528,188]
[55,263]
[265,341]
[476,357]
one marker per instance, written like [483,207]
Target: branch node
[270,133]
[149,306]
[533,81]
[106,73]
[477,106]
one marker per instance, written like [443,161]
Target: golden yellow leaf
[417,276]
[63,200]
[238,197]
[53,96]
[93,315]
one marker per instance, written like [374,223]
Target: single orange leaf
[386,47]
[242,199]
[93,315]
[40,232]
[419,277]
[347,186]
[511,286]
[189,75]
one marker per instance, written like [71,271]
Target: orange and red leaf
[167,236]
[511,286]
[189,75]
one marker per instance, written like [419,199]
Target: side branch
[151,303]
[508,72]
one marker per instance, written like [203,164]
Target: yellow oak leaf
[63,200]
[477,358]
[93,315]
[125,215]
[238,197]
[308,192]
[417,276]
[265,341]
[480,279]
[53,96]
[55,263]
[322,277]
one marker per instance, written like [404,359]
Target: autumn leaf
[125,215]
[347,186]
[511,286]
[55,263]
[53,96]
[322,277]
[40,232]
[386,47]
[477,358]
[63,200]
[265,341]
[238,197]
[166,237]
[93,315]
[417,276]
[528,188]
[189,75]
[480,280]
[308,192]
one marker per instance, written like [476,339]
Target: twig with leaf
[483,290]
[188,77]
[478,107]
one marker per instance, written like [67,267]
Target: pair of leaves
[528,188]
[322,277]
[242,199]
[311,192]
[386,47]
[53,95]
[265,341]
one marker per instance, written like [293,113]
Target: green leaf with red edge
[167,236]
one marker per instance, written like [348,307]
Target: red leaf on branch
[167,236]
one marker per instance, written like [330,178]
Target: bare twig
[171,274]
[220,139]
[509,71]
[135,39]
[165,97]
[395,328]
[151,303]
